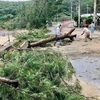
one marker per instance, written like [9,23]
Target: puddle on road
[88,69]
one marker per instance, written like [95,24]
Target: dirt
[85,58]
[4,35]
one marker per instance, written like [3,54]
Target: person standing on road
[58,33]
[86,31]
[92,28]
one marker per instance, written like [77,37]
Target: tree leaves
[39,74]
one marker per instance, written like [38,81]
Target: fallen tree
[66,35]
[13,83]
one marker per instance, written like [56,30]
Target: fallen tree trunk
[68,35]
[13,83]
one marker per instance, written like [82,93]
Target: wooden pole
[94,17]
[78,13]
[71,10]
[8,38]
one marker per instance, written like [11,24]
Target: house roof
[87,15]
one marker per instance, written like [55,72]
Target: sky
[14,0]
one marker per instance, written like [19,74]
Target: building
[84,16]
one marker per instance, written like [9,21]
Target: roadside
[85,58]
[5,35]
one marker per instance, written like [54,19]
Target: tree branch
[13,83]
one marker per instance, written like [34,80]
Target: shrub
[89,20]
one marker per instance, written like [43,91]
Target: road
[85,58]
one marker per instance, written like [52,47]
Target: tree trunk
[68,35]
[94,16]
[79,13]
[13,83]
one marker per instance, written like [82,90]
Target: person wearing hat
[58,33]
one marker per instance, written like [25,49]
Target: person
[58,33]
[86,31]
[92,28]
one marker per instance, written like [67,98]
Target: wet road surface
[88,69]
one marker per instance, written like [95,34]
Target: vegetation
[8,11]
[32,36]
[39,79]
[42,75]
[35,13]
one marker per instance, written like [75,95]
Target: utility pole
[87,8]
[71,11]
[57,14]
[76,9]
[79,13]
[94,17]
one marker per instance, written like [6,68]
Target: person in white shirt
[58,33]
[86,32]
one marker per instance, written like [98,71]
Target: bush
[89,20]
[28,26]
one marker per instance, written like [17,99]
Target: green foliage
[6,17]
[76,19]
[33,36]
[28,26]
[35,13]
[89,20]
[8,11]
[9,26]
[39,74]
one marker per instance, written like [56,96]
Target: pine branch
[13,83]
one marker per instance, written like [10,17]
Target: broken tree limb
[13,83]
[68,35]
